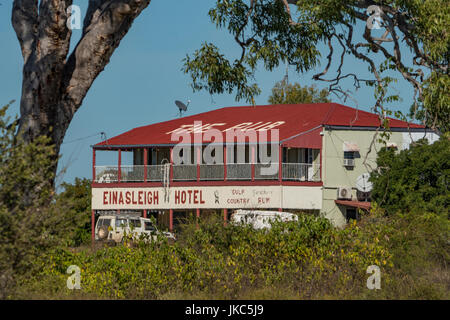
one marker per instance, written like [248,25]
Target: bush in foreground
[308,259]
[414,179]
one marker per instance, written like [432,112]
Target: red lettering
[190,194]
[149,197]
[104,197]
[177,196]
[183,197]
[114,198]
[195,196]
[140,197]
[201,197]
[121,198]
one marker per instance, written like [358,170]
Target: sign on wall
[295,197]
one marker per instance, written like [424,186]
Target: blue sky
[142,80]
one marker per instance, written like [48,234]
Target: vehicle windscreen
[135,223]
[121,223]
[149,226]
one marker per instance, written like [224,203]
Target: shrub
[26,188]
[309,258]
[415,178]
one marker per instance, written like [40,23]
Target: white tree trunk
[54,81]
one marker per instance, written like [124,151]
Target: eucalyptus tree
[287,93]
[55,80]
[412,43]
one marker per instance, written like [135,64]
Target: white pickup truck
[114,227]
[261,219]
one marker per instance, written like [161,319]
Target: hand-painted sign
[199,127]
[298,197]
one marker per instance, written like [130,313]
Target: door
[313,164]
[303,160]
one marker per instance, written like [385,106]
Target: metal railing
[155,173]
[209,172]
[185,172]
[239,171]
[266,171]
[301,171]
[131,173]
[106,174]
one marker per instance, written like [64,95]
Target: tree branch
[94,10]
[53,33]
[109,21]
[24,21]
[288,10]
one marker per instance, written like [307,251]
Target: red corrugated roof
[309,139]
[291,120]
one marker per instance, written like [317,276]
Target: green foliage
[415,178]
[210,70]
[25,188]
[272,43]
[304,259]
[285,93]
[23,167]
[434,110]
[436,102]
[216,260]
[268,35]
[32,218]
[72,210]
[418,243]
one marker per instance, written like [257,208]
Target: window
[349,155]
[135,223]
[349,159]
[121,223]
[106,222]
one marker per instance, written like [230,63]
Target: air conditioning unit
[349,162]
[344,193]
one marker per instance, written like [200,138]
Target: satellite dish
[363,184]
[181,106]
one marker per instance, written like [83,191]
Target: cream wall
[335,175]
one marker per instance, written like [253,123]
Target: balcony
[239,171]
[301,172]
[207,172]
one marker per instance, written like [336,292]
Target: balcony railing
[301,171]
[266,171]
[208,172]
[155,173]
[185,172]
[131,173]
[239,171]
[106,174]
[212,172]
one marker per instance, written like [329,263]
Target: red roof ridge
[291,119]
